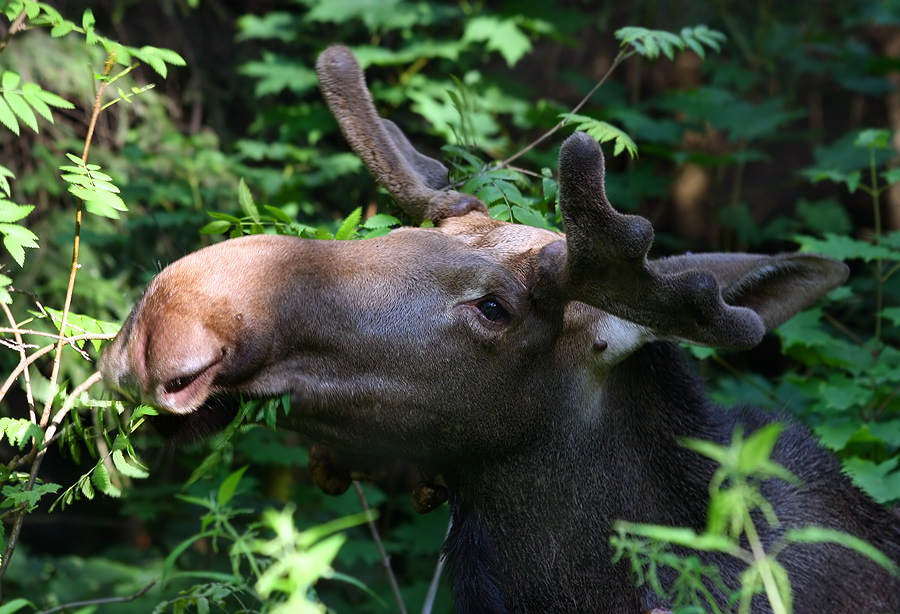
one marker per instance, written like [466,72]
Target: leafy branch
[634,41]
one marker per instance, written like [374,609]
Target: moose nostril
[180,383]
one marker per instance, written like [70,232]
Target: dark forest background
[785,139]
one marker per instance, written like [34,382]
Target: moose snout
[170,364]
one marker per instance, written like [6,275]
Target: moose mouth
[189,393]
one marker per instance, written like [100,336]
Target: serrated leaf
[55,101]
[16,251]
[62,28]
[245,199]
[39,105]
[11,212]
[87,19]
[603,132]
[7,117]
[86,488]
[21,234]
[166,55]
[381,220]
[132,469]
[349,225]
[100,478]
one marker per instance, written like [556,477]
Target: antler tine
[413,180]
[606,263]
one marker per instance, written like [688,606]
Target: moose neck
[535,525]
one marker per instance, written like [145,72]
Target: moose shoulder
[536,371]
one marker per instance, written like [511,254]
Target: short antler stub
[412,179]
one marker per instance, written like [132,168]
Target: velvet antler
[415,181]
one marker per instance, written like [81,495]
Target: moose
[537,372]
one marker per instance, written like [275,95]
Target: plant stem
[18,334]
[36,455]
[15,26]
[621,57]
[385,559]
[765,571]
[879,277]
[80,604]
[435,580]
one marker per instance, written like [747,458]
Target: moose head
[534,370]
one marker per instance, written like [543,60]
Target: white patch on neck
[622,338]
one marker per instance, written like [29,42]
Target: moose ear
[775,287]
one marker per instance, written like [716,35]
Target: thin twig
[57,336]
[23,365]
[47,348]
[80,604]
[621,57]
[37,453]
[15,26]
[436,579]
[36,457]
[26,374]
[385,559]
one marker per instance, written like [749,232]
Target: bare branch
[385,559]
[80,604]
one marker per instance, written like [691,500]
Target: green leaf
[873,139]
[229,486]
[603,132]
[100,478]
[216,227]
[880,480]
[10,80]
[54,101]
[278,214]
[498,34]
[381,220]
[843,247]
[19,431]
[892,314]
[245,198]
[349,225]
[62,28]
[11,212]
[132,468]
[7,118]
[818,535]
[15,605]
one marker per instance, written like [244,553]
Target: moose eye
[491,309]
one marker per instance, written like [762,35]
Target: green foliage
[603,132]
[283,562]
[735,498]
[20,432]
[649,43]
[443,72]
[86,181]
[22,103]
